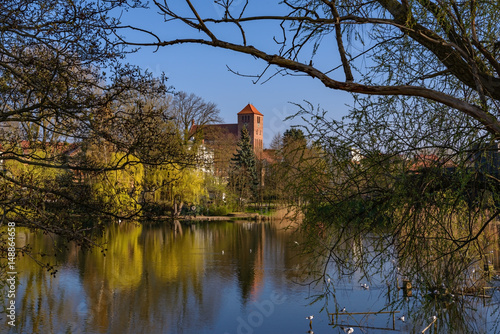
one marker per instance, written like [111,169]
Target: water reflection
[217,277]
[155,278]
[445,290]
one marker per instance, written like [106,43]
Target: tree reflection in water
[155,279]
[458,287]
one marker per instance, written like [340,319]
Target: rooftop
[250,109]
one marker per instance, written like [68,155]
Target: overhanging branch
[490,123]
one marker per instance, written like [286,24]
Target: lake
[214,277]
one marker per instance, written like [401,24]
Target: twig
[433,321]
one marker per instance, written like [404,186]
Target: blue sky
[202,70]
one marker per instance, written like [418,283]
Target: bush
[220,210]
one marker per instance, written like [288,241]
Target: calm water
[217,277]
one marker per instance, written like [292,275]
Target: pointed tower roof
[250,109]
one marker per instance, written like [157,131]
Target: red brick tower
[254,121]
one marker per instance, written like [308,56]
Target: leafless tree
[191,110]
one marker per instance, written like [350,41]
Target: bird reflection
[310,318]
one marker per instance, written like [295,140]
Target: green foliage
[188,185]
[120,189]
[355,212]
[216,189]
[243,174]
[294,135]
[422,187]
[218,210]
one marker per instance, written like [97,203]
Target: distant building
[249,117]
[254,122]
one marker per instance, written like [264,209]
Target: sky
[203,70]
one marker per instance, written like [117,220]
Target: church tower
[254,122]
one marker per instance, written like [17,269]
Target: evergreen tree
[243,174]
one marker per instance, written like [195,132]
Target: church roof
[230,128]
[250,109]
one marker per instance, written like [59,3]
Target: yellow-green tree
[171,182]
[121,188]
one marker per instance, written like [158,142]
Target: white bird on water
[402,318]
[349,330]
[365,286]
